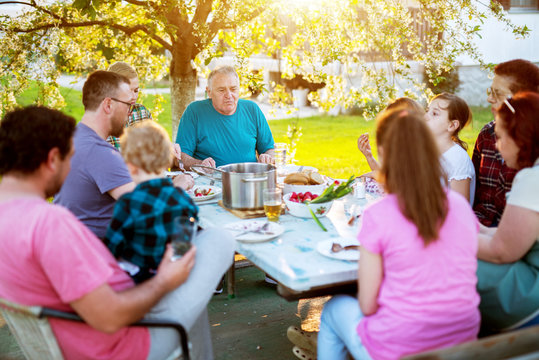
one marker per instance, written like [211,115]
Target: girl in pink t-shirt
[417,269]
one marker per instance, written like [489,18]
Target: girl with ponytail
[446,116]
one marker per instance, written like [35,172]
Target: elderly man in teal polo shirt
[224,129]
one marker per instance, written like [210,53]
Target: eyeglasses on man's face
[124,102]
[496,94]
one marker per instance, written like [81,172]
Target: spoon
[336,247]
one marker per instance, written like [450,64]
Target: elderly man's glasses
[494,94]
[124,102]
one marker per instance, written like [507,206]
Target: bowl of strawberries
[298,204]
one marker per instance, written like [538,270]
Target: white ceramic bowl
[301,210]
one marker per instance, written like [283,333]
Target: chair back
[33,333]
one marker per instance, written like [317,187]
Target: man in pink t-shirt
[49,258]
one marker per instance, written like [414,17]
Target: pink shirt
[49,258]
[427,299]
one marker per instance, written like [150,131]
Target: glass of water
[279,155]
[185,230]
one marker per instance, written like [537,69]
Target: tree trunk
[182,93]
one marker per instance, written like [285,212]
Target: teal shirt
[228,139]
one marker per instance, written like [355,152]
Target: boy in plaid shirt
[143,219]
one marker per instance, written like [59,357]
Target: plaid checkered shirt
[493,178]
[143,221]
[139,113]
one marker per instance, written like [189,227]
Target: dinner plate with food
[339,248]
[204,192]
[172,174]
[254,230]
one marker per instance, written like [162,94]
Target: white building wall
[497,45]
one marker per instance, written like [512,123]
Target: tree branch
[151,4]
[64,23]
[125,29]
[217,25]
[202,11]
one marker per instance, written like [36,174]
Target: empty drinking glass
[185,229]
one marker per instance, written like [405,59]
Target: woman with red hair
[508,270]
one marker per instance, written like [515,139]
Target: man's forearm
[108,311]
[188,161]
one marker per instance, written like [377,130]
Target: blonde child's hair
[147,146]
[124,69]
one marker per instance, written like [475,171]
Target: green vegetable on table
[329,194]
[316,219]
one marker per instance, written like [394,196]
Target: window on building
[523,4]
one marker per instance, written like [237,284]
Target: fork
[261,229]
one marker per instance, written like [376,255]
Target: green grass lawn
[328,142]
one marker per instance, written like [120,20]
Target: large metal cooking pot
[243,183]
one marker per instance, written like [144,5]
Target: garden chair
[30,326]
[521,344]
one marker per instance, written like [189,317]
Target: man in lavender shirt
[99,175]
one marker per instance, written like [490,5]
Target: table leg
[231,282]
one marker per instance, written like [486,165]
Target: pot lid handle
[202,173]
[260,179]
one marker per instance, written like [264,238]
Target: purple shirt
[96,168]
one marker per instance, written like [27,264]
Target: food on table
[306,177]
[336,247]
[296,179]
[203,192]
[332,192]
[302,197]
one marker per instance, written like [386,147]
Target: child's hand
[184,181]
[364,145]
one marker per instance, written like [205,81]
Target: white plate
[324,248]
[288,169]
[216,190]
[171,174]
[274,230]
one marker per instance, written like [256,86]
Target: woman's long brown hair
[411,170]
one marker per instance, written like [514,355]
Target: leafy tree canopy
[328,41]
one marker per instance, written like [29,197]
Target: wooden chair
[520,344]
[30,326]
